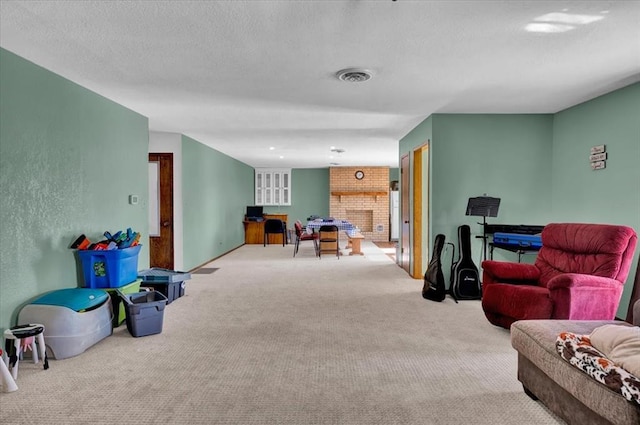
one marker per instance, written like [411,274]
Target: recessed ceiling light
[354,75]
[271,148]
[281,157]
[568,18]
[560,22]
[548,28]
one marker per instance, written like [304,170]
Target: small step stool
[17,334]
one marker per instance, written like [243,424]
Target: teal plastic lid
[77,299]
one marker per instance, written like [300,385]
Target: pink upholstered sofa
[578,275]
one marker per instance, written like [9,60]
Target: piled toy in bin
[110,263]
[120,240]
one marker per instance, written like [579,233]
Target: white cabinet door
[273,186]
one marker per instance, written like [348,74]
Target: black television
[254,212]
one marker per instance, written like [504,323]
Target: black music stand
[483,206]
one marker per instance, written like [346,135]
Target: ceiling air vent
[354,75]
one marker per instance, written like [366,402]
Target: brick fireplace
[364,202]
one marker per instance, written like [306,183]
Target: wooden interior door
[417,214]
[405,254]
[161,252]
[420,190]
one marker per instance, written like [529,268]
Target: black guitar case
[434,288]
[465,281]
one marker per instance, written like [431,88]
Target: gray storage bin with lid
[170,282]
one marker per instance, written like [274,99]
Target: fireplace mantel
[359,193]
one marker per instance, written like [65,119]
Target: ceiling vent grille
[354,75]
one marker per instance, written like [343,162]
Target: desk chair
[328,240]
[274,226]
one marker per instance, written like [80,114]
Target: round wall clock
[359,174]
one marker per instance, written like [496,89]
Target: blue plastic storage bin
[109,269]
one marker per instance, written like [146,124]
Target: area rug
[205,270]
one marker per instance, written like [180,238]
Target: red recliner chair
[579,275]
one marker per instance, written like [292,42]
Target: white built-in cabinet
[273,186]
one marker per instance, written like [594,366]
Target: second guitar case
[465,280]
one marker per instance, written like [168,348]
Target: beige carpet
[388,248]
[271,339]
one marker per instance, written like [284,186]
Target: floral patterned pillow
[578,351]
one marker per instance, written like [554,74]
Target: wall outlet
[133,199]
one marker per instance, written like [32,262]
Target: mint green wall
[215,192]
[538,165]
[394,174]
[69,159]
[504,156]
[611,195]
[309,195]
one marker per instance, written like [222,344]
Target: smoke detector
[354,75]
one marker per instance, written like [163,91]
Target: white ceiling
[244,76]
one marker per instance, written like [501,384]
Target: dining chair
[274,226]
[328,240]
[302,235]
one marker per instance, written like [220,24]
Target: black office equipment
[254,213]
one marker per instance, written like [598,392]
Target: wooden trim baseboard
[214,258]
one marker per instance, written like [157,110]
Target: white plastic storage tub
[74,319]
